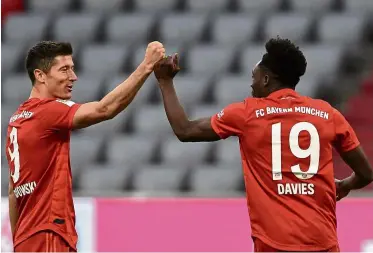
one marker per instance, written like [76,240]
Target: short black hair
[284,59]
[41,56]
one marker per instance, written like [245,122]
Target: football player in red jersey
[286,145]
[40,190]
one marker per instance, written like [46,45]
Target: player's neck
[39,92]
[277,88]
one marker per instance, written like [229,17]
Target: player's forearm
[175,112]
[354,182]
[13,211]
[119,98]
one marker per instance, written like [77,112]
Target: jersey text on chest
[297,109]
[23,114]
[24,189]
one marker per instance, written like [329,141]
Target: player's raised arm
[205,129]
[118,99]
[352,153]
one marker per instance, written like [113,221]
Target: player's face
[61,77]
[259,82]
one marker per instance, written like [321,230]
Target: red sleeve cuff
[72,112]
[215,127]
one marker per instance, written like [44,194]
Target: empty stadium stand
[219,42]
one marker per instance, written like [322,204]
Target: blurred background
[219,42]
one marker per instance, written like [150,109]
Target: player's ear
[266,80]
[39,75]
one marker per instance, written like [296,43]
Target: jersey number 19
[313,151]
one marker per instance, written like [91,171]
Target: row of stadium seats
[197,5]
[172,28]
[98,178]
[202,65]
[200,59]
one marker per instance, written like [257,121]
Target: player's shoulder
[57,102]
[55,105]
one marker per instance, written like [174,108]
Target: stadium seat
[207,178]
[232,88]
[155,5]
[16,89]
[341,28]
[228,151]
[359,6]
[295,27]
[84,150]
[308,85]
[151,121]
[245,28]
[210,59]
[311,6]
[159,177]
[174,151]
[4,180]
[107,6]
[103,59]
[10,57]
[108,177]
[182,28]
[6,112]
[206,6]
[255,6]
[76,28]
[142,95]
[203,111]
[110,127]
[191,88]
[322,59]
[130,149]
[130,29]
[44,6]
[25,28]
[88,88]
[250,57]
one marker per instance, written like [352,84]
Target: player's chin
[66,95]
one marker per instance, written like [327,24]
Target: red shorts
[260,246]
[44,241]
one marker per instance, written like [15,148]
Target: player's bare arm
[362,176]
[118,99]
[186,130]
[13,210]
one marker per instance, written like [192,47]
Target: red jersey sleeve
[345,137]
[59,114]
[230,121]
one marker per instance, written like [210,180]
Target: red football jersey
[286,145]
[37,150]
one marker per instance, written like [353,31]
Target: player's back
[287,160]
[38,156]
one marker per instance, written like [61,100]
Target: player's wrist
[165,82]
[146,67]
[348,183]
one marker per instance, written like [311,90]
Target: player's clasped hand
[341,190]
[154,53]
[167,68]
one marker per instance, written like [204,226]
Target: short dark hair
[284,59]
[41,56]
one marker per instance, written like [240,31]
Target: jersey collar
[284,93]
